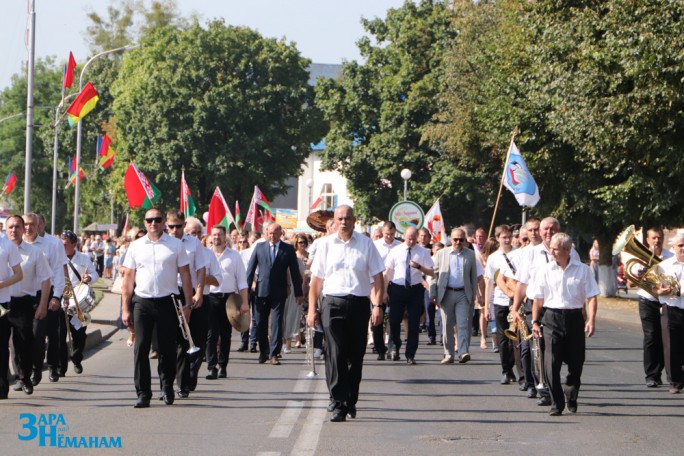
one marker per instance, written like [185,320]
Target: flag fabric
[434,222]
[187,204]
[518,180]
[139,190]
[316,203]
[72,173]
[258,199]
[219,213]
[238,218]
[83,104]
[103,143]
[107,161]
[124,232]
[10,183]
[69,69]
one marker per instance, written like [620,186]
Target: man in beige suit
[455,289]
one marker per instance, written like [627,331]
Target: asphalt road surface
[423,409]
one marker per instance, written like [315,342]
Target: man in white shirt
[673,314]
[562,287]
[151,268]
[347,270]
[404,268]
[384,245]
[233,279]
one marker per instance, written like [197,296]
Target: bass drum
[85,297]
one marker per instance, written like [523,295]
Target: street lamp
[309,183]
[79,130]
[406,175]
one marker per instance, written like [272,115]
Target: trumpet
[647,277]
[310,359]
[183,323]
[538,363]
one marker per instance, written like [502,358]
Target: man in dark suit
[273,259]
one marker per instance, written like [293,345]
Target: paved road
[423,409]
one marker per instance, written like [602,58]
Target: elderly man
[347,270]
[405,265]
[672,321]
[563,321]
[454,289]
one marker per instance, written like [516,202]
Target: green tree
[232,107]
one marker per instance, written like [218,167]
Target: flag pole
[514,133]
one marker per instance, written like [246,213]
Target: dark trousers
[78,339]
[264,307]
[199,327]
[673,344]
[405,299]
[654,361]
[378,332]
[506,345]
[564,343]
[99,265]
[345,326]
[431,309]
[53,322]
[149,314]
[18,324]
[250,336]
[219,331]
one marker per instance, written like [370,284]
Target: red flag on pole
[69,72]
[219,214]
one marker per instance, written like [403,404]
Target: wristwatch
[537,322]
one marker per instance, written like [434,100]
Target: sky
[325,31]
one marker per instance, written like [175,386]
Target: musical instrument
[310,359]
[241,322]
[647,277]
[183,323]
[82,293]
[516,327]
[3,311]
[317,220]
[538,363]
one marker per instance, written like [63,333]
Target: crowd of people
[525,287]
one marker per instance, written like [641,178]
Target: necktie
[408,268]
[273,253]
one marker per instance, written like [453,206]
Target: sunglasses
[153,219]
[458,239]
[302,242]
[170,226]
[524,239]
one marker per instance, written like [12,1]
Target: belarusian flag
[187,205]
[315,204]
[258,199]
[139,190]
[219,214]
[238,219]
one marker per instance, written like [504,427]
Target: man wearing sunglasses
[455,289]
[672,320]
[151,269]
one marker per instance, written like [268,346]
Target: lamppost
[309,183]
[79,130]
[406,175]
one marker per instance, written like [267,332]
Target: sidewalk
[104,317]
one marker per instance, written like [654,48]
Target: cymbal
[239,321]
[317,220]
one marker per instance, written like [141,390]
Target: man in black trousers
[273,259]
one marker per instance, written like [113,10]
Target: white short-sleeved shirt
[643,293]
[233,277]
[347,268]
[156,265]
[564,289]
[36,269]
[384,248]
[53,249]
[9,258]
[82,263]
[497,262]
[675,269]
[198,257]
[213,269]
[396,260]
[532,258]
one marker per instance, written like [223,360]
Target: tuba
[514,328]
[646,276]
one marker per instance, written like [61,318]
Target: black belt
[220,295]
[456,289]
[406,286]
[565,311]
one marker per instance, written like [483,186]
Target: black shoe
[351,413]
[381,357]
[183,394]
[223,373]
[572,406]
[213,374]
[62,372]
[555,412]
[505,380]
[432,341]
[143,402]
[338,416]
[262,360]
[651,384]
[332,406]
[54,375]
[410,361]
[78,368]
[544,401]
[531,392]
[395,356]
[252,349]
[36,378]
[27,387]
[169,396]
[512,377]
[242,348]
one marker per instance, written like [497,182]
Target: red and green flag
[139,190]
[258,201]
[83,104]
[219,213]
[187,204]
[238,217]
[10,183]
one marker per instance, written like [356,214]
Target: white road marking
[290,414]
[308,439]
